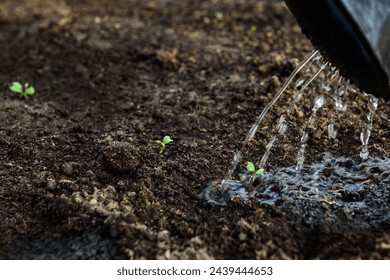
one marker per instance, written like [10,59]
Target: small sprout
[164,142]
[23,90]
[218,16]
[165,11]
[234,14]
[251,168]
[253,29]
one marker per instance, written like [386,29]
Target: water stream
[318,104]
[330,192]
[372,105]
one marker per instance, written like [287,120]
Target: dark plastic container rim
[334,32]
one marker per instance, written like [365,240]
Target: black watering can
[354,35]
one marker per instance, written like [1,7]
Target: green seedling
[164,142]
[165,11]
[23,90]
[253,29]
[252,169]
[218,16]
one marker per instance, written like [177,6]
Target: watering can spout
[353,35]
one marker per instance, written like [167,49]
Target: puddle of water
[331,193]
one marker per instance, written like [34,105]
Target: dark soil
[82,176]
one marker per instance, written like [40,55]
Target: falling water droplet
[300,83]
[318,103]
[282,125]
[372,105]
[332,132]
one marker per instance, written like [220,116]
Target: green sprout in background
[252,169]
[165,11]
[253,29]
[218,16]
[23,90]
[164,142]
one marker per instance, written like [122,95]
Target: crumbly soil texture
[81,173]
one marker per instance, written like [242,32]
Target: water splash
[236,159]
[332,193]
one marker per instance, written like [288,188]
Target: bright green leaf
[16,87]
[250,167]
[166,140]
[30,90]
[253,28]
[218,15]
[260,171]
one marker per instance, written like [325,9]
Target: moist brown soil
[82,176]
